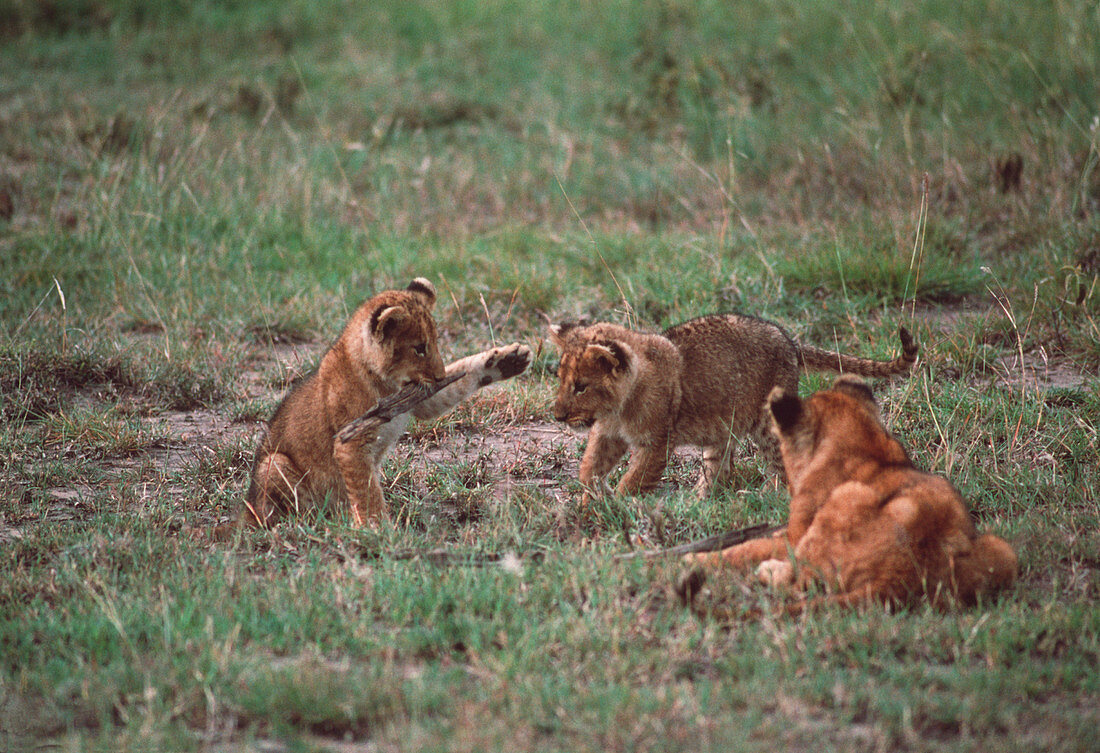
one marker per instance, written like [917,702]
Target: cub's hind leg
[768,445]
[276,481]
[717,468]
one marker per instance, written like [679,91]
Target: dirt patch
[531,456]
[277,366]
[949,319]
[1038,372]
[186,440]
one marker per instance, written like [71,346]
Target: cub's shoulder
[571,337]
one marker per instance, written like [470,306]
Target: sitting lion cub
[700,383]
[863,521]
[389,342]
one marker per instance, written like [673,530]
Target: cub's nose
[430,372]
[438,369]
[560,414]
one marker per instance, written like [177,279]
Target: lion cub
[389,341]
[699,383]
[864,521]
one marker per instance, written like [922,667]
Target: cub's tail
[819,359]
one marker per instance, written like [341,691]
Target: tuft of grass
[48,379]
[331,699]
[103,433]
[881,272]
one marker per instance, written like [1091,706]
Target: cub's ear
[850,384]
[558,331]
[555,334]
[613,357]
[786,409]
[384,322]
[424,290]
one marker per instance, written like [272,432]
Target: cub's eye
[420,350]
[579,388]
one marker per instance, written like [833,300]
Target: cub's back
[730,364]
[298,428]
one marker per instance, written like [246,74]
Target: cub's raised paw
[505,362]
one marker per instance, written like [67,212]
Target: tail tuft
[909,347]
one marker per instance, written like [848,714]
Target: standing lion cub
[699,383]
[863,521]
[390,341]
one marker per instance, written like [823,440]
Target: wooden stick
[710,544]
[392,406]
[450,557]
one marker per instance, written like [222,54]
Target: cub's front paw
[505,363]
[775,573]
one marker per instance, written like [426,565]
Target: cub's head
[839,426]
[393,335]
[596,373]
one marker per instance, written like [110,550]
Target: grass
[194,196]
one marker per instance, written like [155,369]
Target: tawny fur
[864,522]
[390,341]
[700,383]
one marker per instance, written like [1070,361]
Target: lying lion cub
[389,342]
[864,521]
